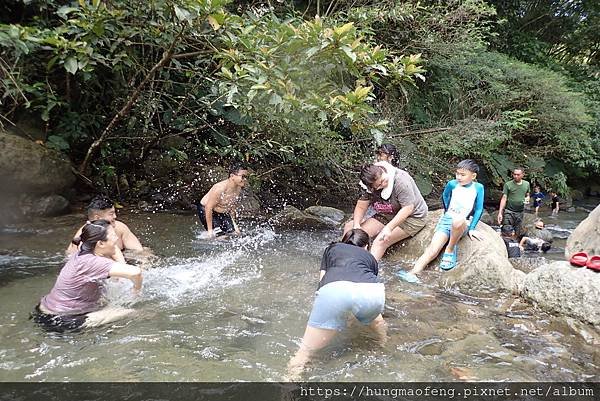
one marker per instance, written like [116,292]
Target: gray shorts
[334,301]
[411,226]
[514,219]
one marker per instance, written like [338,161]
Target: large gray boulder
[33,178]
[249,205]
[291,217]
[564,289]
[326,213]
[586,237]
[28,167]
[482,265]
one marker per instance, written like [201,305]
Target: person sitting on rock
[386,152]
[400,209]
[102,208]
[75,300]
[348,285]
[512,246]
[534,244]
[217,210]
[461,198]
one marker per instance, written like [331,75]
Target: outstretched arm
[130,272]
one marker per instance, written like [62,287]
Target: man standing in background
[515,194]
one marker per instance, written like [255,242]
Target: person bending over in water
[102,208]
[217,210]
[74,301]
[461,197]
[348,284]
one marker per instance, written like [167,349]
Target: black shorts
[57,323]
[222,221]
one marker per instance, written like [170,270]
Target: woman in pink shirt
[75,300]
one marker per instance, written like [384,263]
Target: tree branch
[167,55]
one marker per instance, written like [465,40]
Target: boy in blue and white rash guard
[462,198]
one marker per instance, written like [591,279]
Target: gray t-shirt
[78,287]
[404,192]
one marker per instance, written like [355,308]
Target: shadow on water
[228,310]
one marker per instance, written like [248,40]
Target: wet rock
[530,230]
[564,289]
[528,264]
[144,206]
[586,237]
[292,217]
[591,337]
[328,214]
[123,183]
[248,204]
[50,206]
[571,209]
[159,165]
[482,265]
[28,167]
[488,218]
[577,195]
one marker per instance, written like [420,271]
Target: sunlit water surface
[236,310]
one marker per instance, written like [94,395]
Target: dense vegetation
[136,92]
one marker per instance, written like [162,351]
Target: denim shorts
[335,300]
[444,225]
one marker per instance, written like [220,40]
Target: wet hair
[357,237]
[236,167]
[370,173]
[99,203]
[507,229]
[390,150]
[545,247]
[91,233]
[468,165]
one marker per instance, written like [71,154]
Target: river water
[236,310]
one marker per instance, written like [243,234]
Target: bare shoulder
[121,227]
[219,187]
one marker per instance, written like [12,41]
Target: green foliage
[311,88]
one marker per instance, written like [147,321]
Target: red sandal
[580,259]
[594,263]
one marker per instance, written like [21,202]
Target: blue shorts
[444,225]
[335,300]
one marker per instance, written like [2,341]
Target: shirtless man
[217,209]
[102,208]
